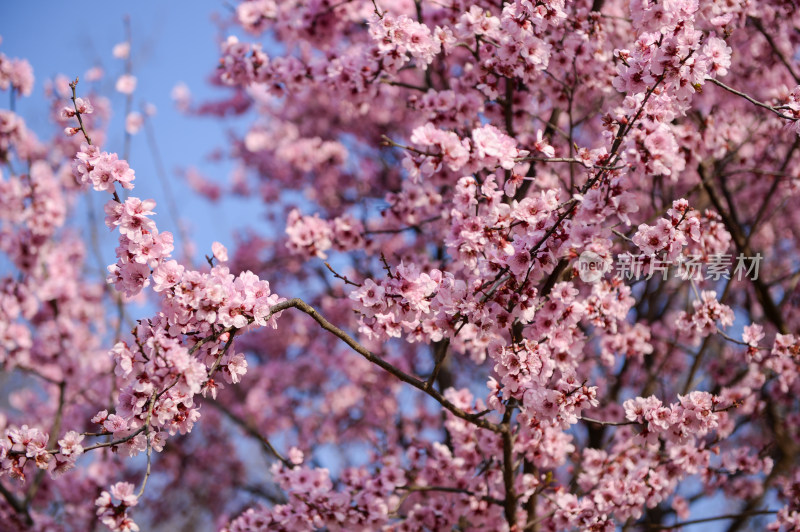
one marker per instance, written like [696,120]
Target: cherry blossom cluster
[159,375]
[16,74]
[513,43]
[100,169]
[362,502]
[671,235]
[12,131]
[313,236]
[793,107]
[142,249]
[398,38]
[95,112]
[707,312]
[115,514]
[693,416]
[451,367]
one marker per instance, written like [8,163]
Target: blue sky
[172,42]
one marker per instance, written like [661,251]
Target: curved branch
[710,519]
[751,99]
[475,419]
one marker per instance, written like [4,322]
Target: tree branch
[301,305]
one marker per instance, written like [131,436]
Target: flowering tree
[561,292]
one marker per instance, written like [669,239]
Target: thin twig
[221,354]
[709,519]
[751,99]
[342,277]
[16,504]
[54,431]
[772,44]
[448,489]
[252,431]
[386,266]
[415,227]
[162,177]
[404,85]
[441,355]
[606,423]
[149,446]
[126,151]
[301,305]
[73,86]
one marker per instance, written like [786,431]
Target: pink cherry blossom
[412,335]
[121,50]
[126,84]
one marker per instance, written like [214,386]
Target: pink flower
[115,423]
[121,51]
[494,147]
[182,97]
[220,252]
[542,145]
[101,169]
[114,514]
[397,36]
[134,221]
[295,456]
[236,368]
[126,84]
[129,277]
[84,106]
[124,492]
[309,235]
[753,334]
[133,122]
[369,294]
[718,54]
[94,74]
[70,445]
[17,74]
[166,275]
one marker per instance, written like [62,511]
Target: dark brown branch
[74,98]
[771,310]
[54,431]
[510,504]
[73,85]
[404,85]
[772,189]
[440,356]
[772,44]
[247,427]
[342,277]
[751,99]
[18,506]
[221,354]
[447,489]
[415,227]
[710,519]
[149,446]
[366,353]
[606,423]
[386,266]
